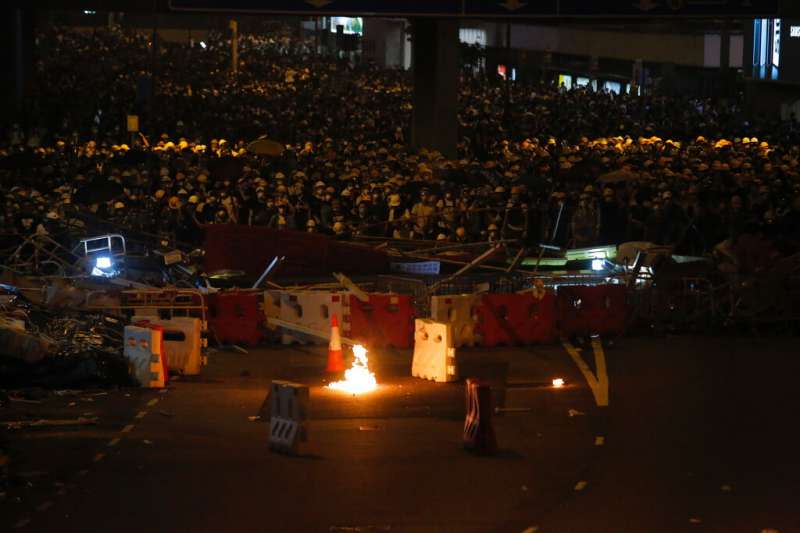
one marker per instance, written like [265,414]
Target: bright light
[89,12]
[203,44]
[558,383]
[598,264]
[357,379]
[103,262]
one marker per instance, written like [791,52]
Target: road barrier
[310,309]
[144,352]
[460,311]
[434,353]
[384,320]
[592,310]
[288,415]
[516,319]
[479,435]
[183,342]
[237,317]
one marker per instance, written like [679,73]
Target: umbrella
[98,191]
[619,175]
[265,147]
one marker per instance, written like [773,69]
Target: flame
[357,379]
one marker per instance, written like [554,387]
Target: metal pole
[507,110]
[234,47]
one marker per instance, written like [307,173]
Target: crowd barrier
[434,353]
[183,342]
[311,309]
[288,414]
[592,310]
[460,311]
[145,355]
[237,317]
[385,320]
[516,319]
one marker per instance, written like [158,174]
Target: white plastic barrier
[272,306]
[459,312]
[143,352]
[288,414]
[434,353]
[183,342]
[313,311]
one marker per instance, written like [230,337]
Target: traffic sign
[491,8]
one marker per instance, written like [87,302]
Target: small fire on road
[357,379]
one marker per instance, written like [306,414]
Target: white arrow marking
[599,383]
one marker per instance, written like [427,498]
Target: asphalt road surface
[699,434]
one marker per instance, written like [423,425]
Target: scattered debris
[44,422]
[22,400]
[575,412]
[255,418]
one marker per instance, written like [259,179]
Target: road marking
[580,485]
[140,415]
[599,441]
[99,457]
[598,384]
[152,402]
[113,442]
[127,428]
[22,523]
[45,506]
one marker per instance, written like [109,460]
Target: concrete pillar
[726,74]
[17,57]
[434,122]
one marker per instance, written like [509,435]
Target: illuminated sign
[794,31]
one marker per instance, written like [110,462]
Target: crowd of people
[572,168]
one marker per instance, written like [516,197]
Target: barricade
[434,353]
[592,310]
[288,415]
[386,320]
[272,307]
[183,342]
[460,312]
[236,317]
[517,319]
[143,350]
[311,309]
[479,434]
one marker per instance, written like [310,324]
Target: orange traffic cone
[335,358]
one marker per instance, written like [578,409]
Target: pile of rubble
[58,348]
[61,322]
